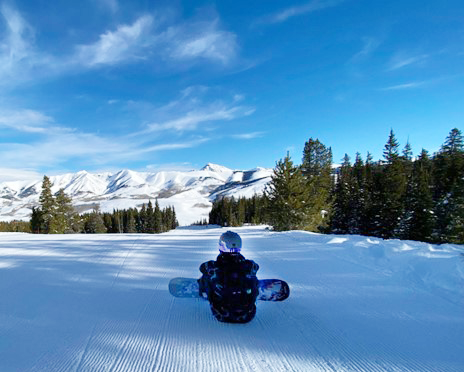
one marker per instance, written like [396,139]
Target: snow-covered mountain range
[191,193]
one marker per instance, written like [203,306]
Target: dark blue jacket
[231,286]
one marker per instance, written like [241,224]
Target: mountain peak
[211,167]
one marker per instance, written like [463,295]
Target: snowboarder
[230,283]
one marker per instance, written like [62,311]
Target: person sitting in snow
[230,283]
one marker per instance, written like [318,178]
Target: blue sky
[145,85]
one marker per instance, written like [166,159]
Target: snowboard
[269,289]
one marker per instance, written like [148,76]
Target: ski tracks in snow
[114,312]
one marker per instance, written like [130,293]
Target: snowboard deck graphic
[269,289]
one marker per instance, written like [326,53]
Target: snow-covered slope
[101,303]
[191,193]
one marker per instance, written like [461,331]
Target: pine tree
[391,149]
[418,219]
[287,196]
[369,208]
[151,226]
[317,169]
[157,218]
[94,222]
[448,190]
[130,226]
[47,206]
[407,152]
[392,186]
[317,159]
[36,221]
[340,218]
[64,214]
[142,220]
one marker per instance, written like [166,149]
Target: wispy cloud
[201,40]
[186,123]
[196,107]
[406,86]
[294,11]
[14,174]
[192,119]
[402,59]
[167,45]
[370,45]
[187,41]
[248,136]
[16,47]
[54,149]
[30,121]
[125,43]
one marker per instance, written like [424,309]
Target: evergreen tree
[130,226]
[317,169]
[393,189]
[317,159]
[158,218]
[142,220]
[418,219]
[342,199]
[407,152]
[151,224]
[391,149]
[241,211]
[64,214]
[369,208]
[47,205]
[36,221]
[449,186]
[287,196]
[94,222]
[174,222]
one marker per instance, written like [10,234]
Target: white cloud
[370,44]
[201,40]
[401,60]
[148,38]
[54,146]
[14,174]
[16,46]
[25,120]
[126,43]
[51,151]
[167,147]
[405,86]
[248,136]
[191,119]
[196,107]
[185,41]
[294,11]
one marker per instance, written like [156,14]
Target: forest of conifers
[401,196]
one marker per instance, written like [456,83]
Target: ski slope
[101,303]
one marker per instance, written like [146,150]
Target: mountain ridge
[190,192]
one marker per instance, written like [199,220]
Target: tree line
[56,215]
[399,196]
[236,212]
[15,226]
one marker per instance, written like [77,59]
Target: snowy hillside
[191,193]
[101,303]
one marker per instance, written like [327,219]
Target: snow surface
[101,303]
